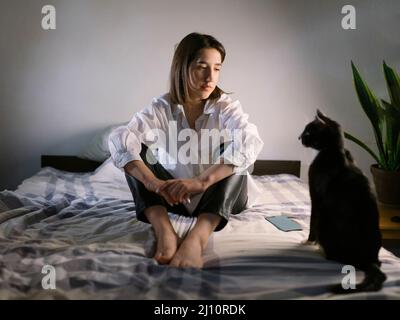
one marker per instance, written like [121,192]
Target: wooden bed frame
[76,164]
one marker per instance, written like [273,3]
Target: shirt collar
[209,108]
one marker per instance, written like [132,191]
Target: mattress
[84,226]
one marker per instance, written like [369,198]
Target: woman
[152,150]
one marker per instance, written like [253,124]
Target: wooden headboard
[269,167]
[75,164]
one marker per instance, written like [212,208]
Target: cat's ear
[317,118]
[323,117]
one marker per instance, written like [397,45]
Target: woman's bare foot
[189,254]
[167,244]
[167,239]
[190,251]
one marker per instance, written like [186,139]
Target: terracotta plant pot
[387,184]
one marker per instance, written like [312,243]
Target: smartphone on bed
[284,223]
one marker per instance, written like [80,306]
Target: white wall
[107,59]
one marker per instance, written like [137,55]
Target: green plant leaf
[372,109]
[393,85]
[392,124]
[397,155]
[365,147]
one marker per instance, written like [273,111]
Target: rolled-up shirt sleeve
[125,142]
[245,145]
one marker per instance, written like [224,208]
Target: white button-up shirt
[183,152]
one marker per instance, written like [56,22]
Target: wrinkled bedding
[84,225]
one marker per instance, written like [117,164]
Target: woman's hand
[156,185]
[180,190]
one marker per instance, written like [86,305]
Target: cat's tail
[373,281]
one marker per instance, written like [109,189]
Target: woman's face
[204,72]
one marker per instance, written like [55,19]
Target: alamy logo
[349,280]
[49,280]
[191,147]
[349,20]
[49,20]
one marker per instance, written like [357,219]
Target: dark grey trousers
[226,197]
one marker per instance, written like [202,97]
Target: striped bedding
[84,226]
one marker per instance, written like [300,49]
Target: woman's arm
[215,173]
[181,189]
[140,171]
[246,143]
[125,141]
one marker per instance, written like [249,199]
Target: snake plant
[384,117]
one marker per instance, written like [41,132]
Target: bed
[78,216]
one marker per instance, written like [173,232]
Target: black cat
[344,212]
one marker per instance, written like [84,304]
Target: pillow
[98,150]
[108,172]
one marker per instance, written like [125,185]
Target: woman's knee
[226,197]
[229,186]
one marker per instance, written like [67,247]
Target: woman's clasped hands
[176,191]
